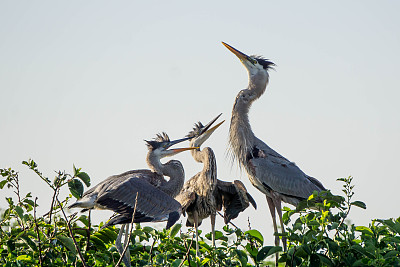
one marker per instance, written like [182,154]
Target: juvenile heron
[271,173]
[155,200]
[204,194]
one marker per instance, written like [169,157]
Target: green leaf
[324,259]
[84,220]
[84,177]
[241,255]
[361,250]
[24,258]
[76,188]
[267,251]
[3,183]
[391,254]
[112,236]
[20,212]
[394,226]
[359,204]
[252,250]
[29,241]
[365,230]
[98,242]
[255,234]
[101,235]
[175,229]
[218,236]
[148,229]
[176,263]
[203,262]
[30,202]
[68,243]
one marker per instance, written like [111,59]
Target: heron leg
[196,225]
[272,207]
[213,228]
[127,256]
[118,244]
[278,206]
[120,247]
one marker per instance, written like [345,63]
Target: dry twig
[130,232]
[71,234]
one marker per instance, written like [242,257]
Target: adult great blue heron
[272,174]
[204,194]
[155,200]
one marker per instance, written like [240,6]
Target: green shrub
[317,237]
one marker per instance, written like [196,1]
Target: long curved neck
[258,83]
[207,157]
[154,162]
[174,170]
[241,136]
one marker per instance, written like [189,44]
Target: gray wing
[186,198]
[151,177]
[233,198]
[275,172]
[88,200]
[152,203]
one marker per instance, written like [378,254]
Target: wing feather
[151,202]
[281,175]
[233,197]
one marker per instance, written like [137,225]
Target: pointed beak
[239,54]
[247,61]
[172,152]
[209,124]
[207,131]
[174,142]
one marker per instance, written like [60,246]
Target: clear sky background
[84,82]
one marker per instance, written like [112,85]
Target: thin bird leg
[271,206]
[127,256]
[279,210]
[119,246]
[196,225]
[213,228]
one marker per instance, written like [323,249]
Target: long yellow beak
[211,130]
[239,54]
[178,150]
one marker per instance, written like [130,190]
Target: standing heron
[155,200]
[272,174]
[204,194]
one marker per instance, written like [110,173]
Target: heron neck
[241,136]
[174,170]
[154,163]
[207,157]
[258,83]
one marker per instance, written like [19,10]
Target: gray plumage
[233,198]
[271,173]
[204,194]
[155,195]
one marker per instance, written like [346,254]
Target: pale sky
[84,82]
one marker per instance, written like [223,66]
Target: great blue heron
[271,173]
[204,194]
[155,200]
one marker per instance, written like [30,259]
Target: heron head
[253,64]
[161,144]
[201,133]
